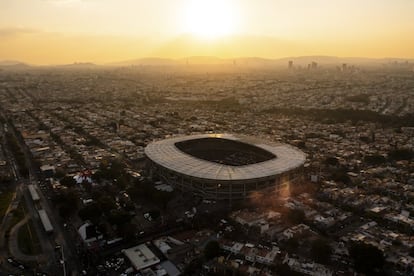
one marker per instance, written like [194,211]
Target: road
[5,225]
[7,220]
[59,235]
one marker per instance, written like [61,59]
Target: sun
[210,19]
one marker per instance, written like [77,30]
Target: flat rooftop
[141,256]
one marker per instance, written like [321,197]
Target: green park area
[5,198]
[17,214]
[28,240]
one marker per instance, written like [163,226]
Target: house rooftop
[141,256]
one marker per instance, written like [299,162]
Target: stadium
[224,166]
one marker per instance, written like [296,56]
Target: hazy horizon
[67,31]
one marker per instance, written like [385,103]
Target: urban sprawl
[77,199]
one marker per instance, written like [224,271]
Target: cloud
[16,31]
[64,2]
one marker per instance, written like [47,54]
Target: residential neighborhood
[75,175]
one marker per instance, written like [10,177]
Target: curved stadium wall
[224,166]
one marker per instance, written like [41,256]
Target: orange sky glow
[102,31]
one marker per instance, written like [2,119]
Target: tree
[129,206]
[292,244]
[106,204]
[117,217]
[97,176]
[284,270]
[367,258]
[102,228]
[296,216]
[65,211]
[121,182]
[113,126]
[155,214]
[401,154]
[302,144]
[110,170]
[412,251]
[193,267]
[127,231]
[90,212]
[321,251]
[212,250]
[97,193]
[375,159]
[161,198]
[87,186]
[134,192]
[6,179]
[69,198]
[68,181]
[332,161]
[340,175]
[60,173]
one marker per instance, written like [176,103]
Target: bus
[33,193]
[45,221]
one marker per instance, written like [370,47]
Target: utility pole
[63,260]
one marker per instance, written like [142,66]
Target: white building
[89,234]
[141,256]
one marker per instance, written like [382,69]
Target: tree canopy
[321,251]
[296,216]
[367,258]
[90,212]
[68,181]
[212,250]
[401,154]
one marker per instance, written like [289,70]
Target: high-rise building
[290,64]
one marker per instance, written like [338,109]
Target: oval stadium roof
[166,154]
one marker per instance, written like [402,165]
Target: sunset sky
[66,31]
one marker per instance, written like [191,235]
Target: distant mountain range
[211,60]
[13,64]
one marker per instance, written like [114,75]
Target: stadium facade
[225,166]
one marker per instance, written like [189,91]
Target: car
[148,217]
[15,263]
